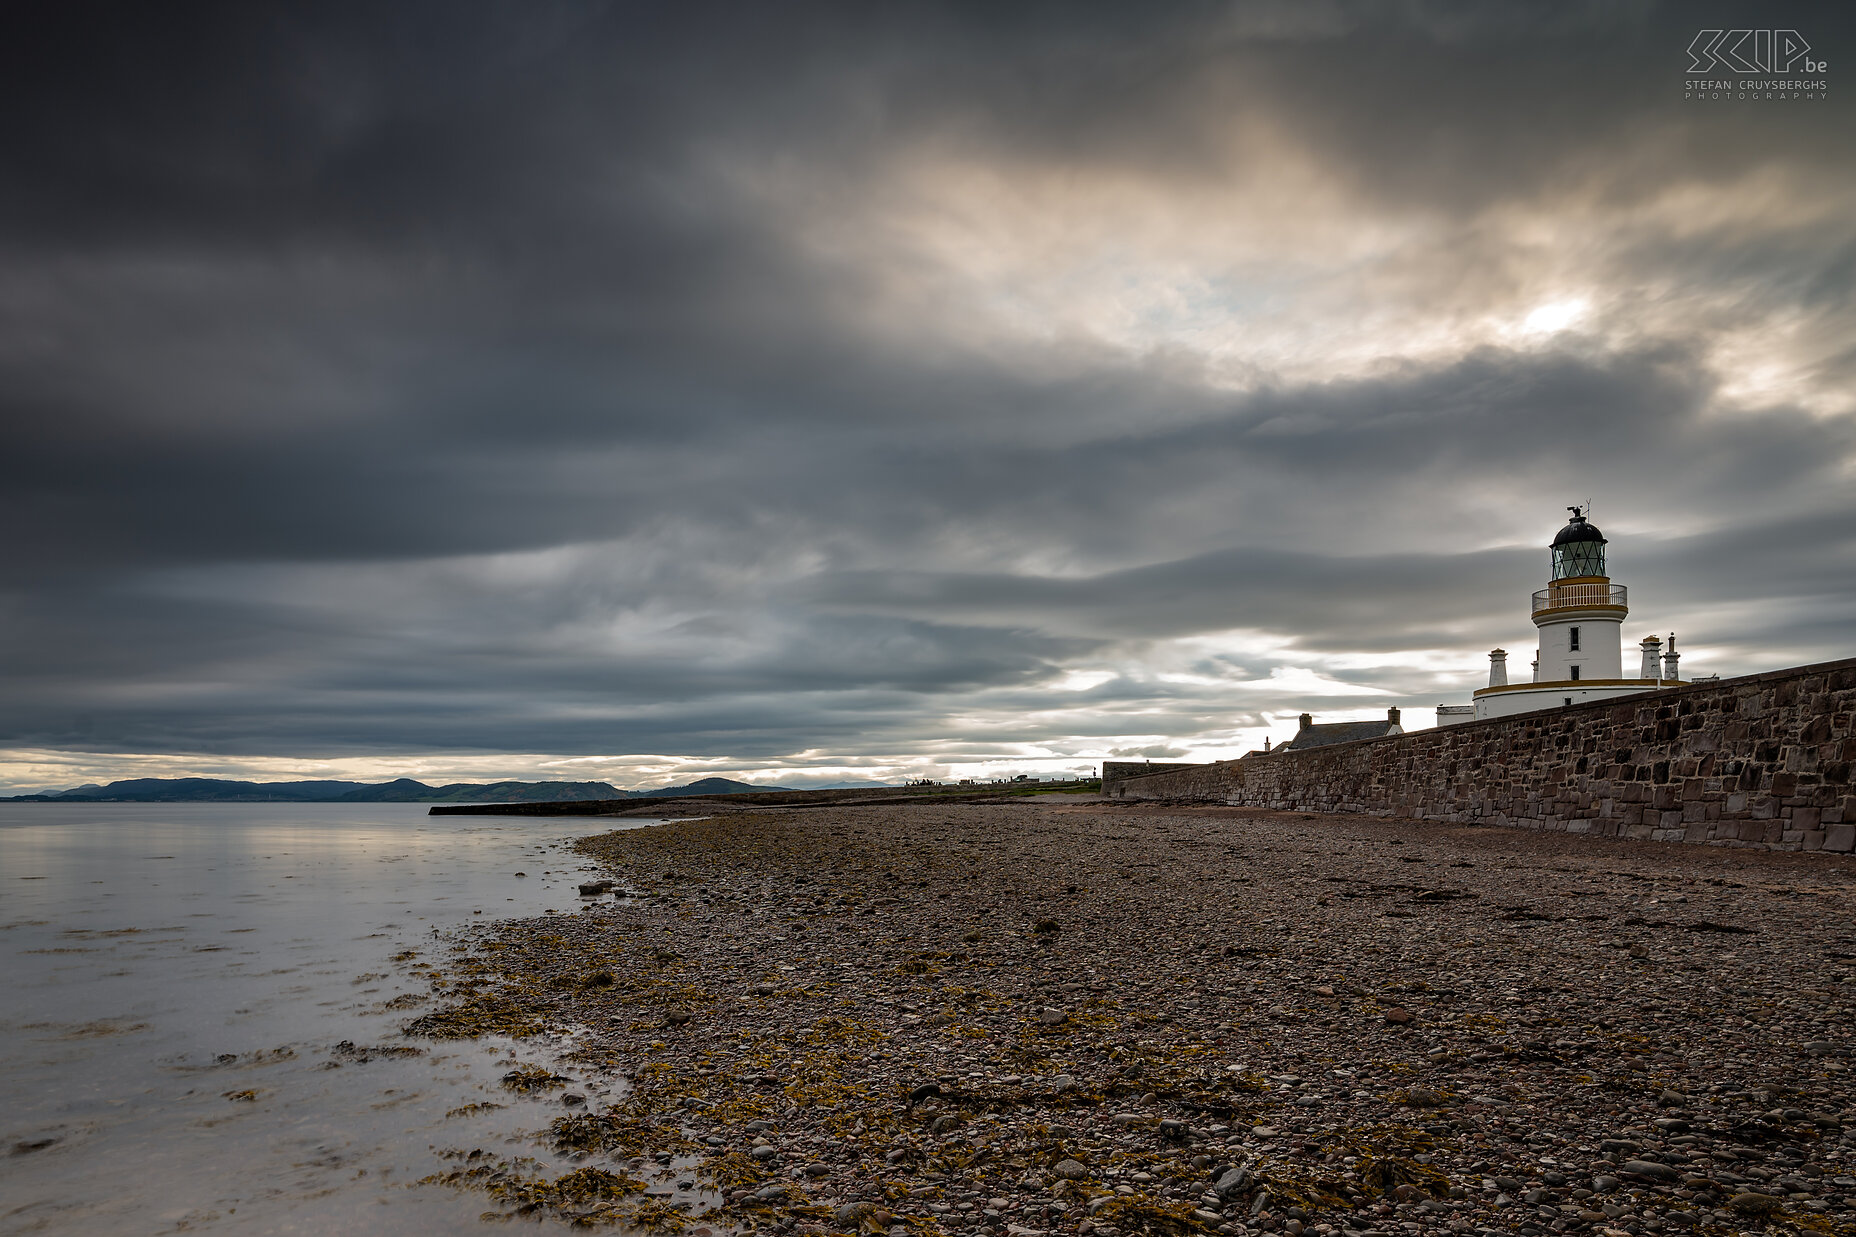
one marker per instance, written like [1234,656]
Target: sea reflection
[202,1012]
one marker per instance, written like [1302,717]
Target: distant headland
[401,790]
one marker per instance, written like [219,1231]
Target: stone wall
[1756,761]
[1113,769]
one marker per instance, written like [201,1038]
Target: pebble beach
[1088,1018]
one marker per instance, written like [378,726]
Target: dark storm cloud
[1377,603]
[1259,589]
[325,331]
[118,669]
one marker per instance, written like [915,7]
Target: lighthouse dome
[1579,549]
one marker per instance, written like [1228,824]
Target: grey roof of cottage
[1337,732]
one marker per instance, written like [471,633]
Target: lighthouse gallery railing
[1577,596]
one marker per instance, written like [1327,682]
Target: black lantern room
[1579,550]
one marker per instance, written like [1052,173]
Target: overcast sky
[640,391]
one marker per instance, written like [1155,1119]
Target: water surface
[200,1029]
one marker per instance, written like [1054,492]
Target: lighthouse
[1580,618]
[1580,613]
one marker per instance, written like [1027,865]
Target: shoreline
[1094,1018]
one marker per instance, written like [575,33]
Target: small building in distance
[1320,735]
[1580,616]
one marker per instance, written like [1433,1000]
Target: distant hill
[203,790]
[705,786]
[401,790]
[404,790]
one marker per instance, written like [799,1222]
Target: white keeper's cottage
[1581,616]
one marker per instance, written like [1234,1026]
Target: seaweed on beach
[470,1019]
[585,1197]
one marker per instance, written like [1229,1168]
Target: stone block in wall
[1806,817]
[1840,838]
[1813,840]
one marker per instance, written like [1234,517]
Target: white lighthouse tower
[1580,613]
[1581,616]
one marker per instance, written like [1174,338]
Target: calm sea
[190,997]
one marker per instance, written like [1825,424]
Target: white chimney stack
[1498,667]
[1652,658]
[1670,658]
